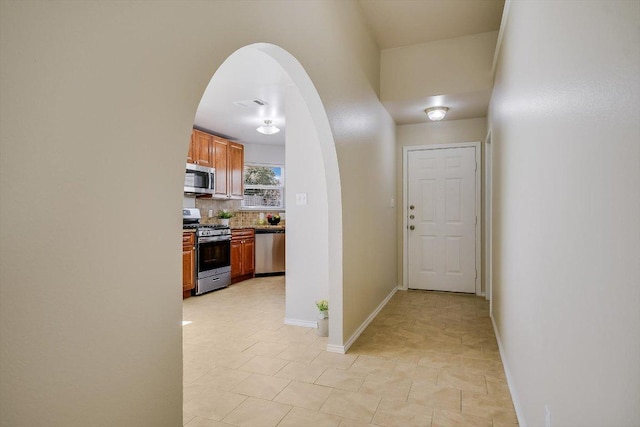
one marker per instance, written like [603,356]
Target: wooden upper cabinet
[202,148]
[221,164]
[226,157]
[191,158]
[236,166]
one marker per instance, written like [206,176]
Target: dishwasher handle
[269,231]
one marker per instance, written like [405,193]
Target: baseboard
[364,325]
[298,322]
[507,373]
[332,348]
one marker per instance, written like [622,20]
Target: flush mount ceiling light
[267,128]
[436,113]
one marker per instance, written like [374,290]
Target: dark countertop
[263,228]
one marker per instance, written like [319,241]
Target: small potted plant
[323,318]
[224,216]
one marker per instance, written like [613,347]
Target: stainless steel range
[213,252]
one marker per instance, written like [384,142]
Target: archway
[314,229]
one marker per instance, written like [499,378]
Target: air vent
[251,103]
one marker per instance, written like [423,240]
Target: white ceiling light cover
[436,113]
[268,128]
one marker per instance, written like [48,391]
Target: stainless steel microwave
[199,179]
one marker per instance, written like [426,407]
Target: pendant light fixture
[267,128]
[436,113]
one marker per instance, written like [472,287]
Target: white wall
[450,66]
[444,132]
[369,227]
[430,133]
[566,136]
[96,99]
[263,153]
[307,277]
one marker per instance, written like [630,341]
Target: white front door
[441,216]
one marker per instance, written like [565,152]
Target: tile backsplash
[240,218]
[250,218]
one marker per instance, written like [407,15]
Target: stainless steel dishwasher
[270,252]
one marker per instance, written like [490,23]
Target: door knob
[411,216]
[412,207]
[412,227]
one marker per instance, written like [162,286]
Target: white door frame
[488,210]
[405,189]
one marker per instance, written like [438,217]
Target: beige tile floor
[428,359]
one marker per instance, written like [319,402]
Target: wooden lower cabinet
[188,263]
[243,250]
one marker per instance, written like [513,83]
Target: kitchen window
[263,186]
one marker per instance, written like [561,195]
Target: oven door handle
[214,239]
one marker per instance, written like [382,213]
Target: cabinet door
[191,158]
[236,166]
[188,265]
[236,258]
[203,149]
[188,262]
[248,256]
[221,149]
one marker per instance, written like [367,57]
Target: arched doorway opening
[314,227]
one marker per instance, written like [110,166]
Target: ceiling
[396,23]
[228,106]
